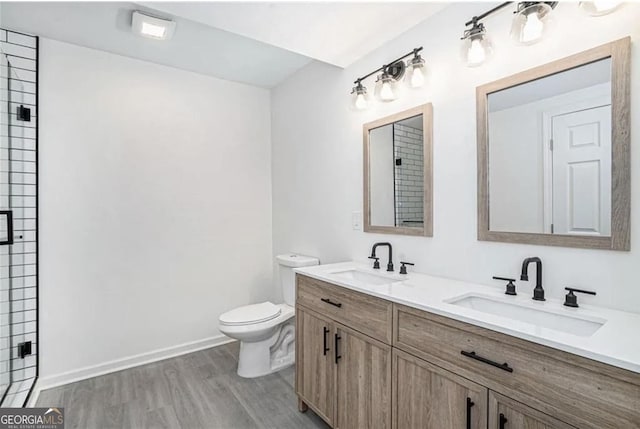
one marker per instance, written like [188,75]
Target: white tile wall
[18,269]
[409,177]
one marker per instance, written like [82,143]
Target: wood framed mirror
[398,179]
[554,153]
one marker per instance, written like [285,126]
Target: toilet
[266,331]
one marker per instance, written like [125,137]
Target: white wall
[317,157]
[155,205]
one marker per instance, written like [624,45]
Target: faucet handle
[403,268]
[511,287]
[570,300]
[376,264]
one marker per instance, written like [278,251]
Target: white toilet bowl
[266,342]
[266,331]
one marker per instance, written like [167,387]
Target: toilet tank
[287,277]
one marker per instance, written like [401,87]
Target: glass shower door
[5,280]
[11,96]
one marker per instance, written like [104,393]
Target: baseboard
[44,383]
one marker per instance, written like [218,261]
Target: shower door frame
[35,117]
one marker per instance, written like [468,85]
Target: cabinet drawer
[364,313]
[579,391]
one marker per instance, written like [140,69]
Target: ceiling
[257,43]
[337,33]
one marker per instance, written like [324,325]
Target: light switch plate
[356,221]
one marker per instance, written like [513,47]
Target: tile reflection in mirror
[397,173]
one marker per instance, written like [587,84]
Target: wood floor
[198,390]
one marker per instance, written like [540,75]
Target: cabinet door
[429,397]
[315,376]
[505,413]
[363,397]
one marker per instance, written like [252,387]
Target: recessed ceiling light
[152,27]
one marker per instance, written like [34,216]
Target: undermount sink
[581,326]
[364,277]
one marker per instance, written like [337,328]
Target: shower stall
[18,217]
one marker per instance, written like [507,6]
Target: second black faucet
[538,291]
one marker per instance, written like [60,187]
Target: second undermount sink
[581,326]
[364,277]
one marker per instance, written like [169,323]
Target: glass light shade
[476,50]
[386,88]
[360,99]
[416,73]
[600,7]
[531,23]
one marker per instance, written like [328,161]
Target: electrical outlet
[356,221]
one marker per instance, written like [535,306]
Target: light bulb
[476,47]
[359,97]
[386,92]
[476,53]
[414,77]
[532,29]
[417,78]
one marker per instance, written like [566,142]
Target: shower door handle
[8,217]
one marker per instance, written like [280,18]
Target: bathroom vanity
[378,350]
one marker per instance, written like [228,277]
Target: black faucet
[538,291]
[373,255]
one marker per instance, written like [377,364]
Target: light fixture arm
[477,18]
[385,66]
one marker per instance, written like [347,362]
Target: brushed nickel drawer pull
[503,366]
[328,301]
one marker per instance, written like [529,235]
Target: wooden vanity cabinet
[364,362]
[428,397]
[363,393]
[578,391]
[342,374]
[315,378]
[505,413]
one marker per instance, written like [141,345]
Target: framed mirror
[554,153]
[398,181]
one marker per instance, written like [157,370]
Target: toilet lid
[250,314]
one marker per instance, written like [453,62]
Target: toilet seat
[251,314]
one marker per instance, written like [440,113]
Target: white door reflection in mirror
[550,154]
[582,172]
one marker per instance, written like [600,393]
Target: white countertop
[616,343]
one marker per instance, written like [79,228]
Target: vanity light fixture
[600,7]
[531,21]
[387,86]
[476,46]
[152,27]
[360,99]
[415,74]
